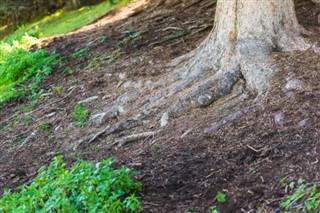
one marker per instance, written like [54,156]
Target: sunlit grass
[64,21]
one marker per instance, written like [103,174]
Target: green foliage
[306,198]
[80,115]
[85,187]
[45,126]
[221,198]
[132,34]
[214,211]
[177,35]
[26,119]
[18,65]
[252,170]
[80,52]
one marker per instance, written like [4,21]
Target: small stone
[88,100]
[50,115]
[303,123]
[121,110]
[317,49]
[294,84]
[122,75]
[279,118]
[164,121]
[138,85]
[71,126]
[127,84]
[106,97]
[57,128]
[205,100]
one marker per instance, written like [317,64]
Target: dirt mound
[183,166]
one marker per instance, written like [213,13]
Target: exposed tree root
[226,120]
[28,139]
[236,52]
[130,138]
[116,128]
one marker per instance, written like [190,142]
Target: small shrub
[18,65]
[85,187]
[80,115]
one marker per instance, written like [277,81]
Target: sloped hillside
[249,150]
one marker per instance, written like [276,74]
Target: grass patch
[65,21]
[85,187]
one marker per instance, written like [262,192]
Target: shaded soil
[181,168]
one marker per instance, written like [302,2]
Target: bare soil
[183,166]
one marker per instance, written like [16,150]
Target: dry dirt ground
[183,166]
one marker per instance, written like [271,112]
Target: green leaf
[221,198]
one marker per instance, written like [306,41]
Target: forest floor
[182,167]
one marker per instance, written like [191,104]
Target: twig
[169,28]
[202,29]
[253,149]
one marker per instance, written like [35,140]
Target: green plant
[214,210]
[80,115]
[27,108]
[80,52]
[131,34]
[177,35]
[306,198]
[221,198]
[85,187]
[26,119]
[8,127]
[252,170]
[45,126]
[18,65]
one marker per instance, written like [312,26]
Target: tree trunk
[239,47]
[246,32]
[236,55]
